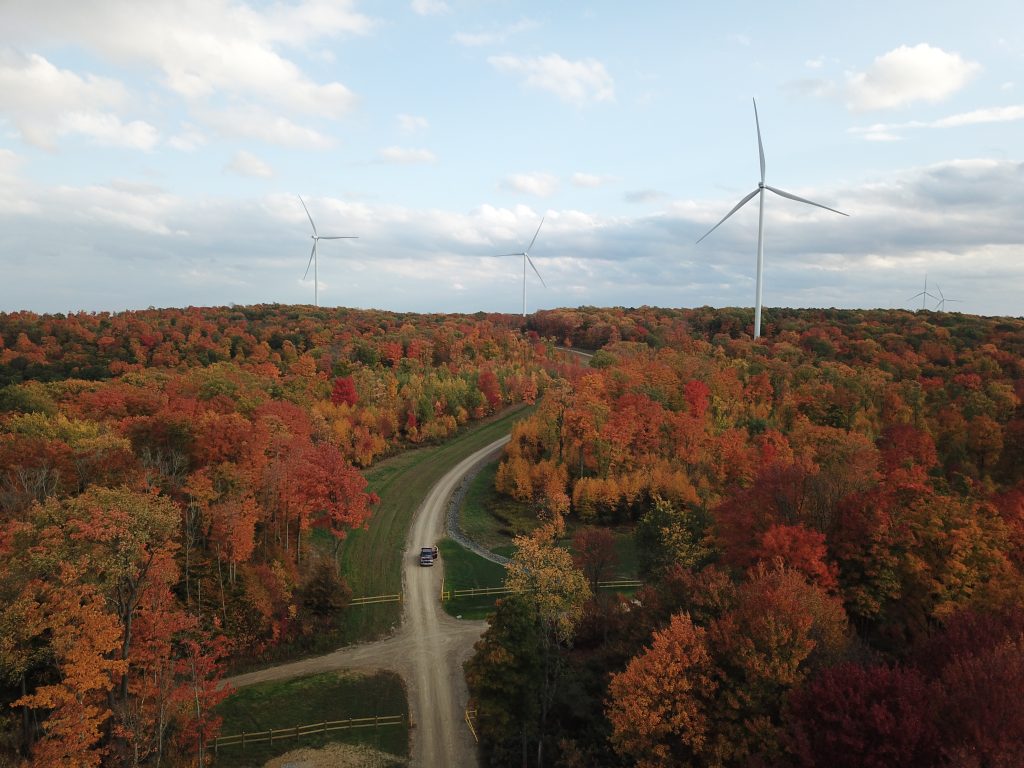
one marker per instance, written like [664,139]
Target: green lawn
[492,519]
[466,570]
[314,699]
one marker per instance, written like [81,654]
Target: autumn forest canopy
[829,524]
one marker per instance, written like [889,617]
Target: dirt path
[430,647]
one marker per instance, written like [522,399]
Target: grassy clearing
[492,520]
[314,699]
[467,570]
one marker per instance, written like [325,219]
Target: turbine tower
[525,253]
[924,294]
[761,187]
[312,254]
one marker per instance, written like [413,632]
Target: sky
[153,153]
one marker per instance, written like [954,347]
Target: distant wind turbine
[924,294]
[940,305]
[761,187]
[312,255]
[525,253]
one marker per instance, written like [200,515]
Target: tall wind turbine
[761,187]
[924,294]
[525,253]
[940,305]
[312,254]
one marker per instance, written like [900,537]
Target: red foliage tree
[344,391]
[864,717]
[489,387]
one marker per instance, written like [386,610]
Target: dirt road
[430,647]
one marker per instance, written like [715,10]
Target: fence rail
[452,594]
[620,584]
[375,599]
[297,732]
[470,714]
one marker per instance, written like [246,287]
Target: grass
[314,699]
[466,570]
[492,519]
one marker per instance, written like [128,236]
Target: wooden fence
[375,599]
[452,594]
[295,734]
[470,715]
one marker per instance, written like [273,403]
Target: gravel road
[429,649]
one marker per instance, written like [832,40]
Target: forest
[162,476]
[830,528]
[829,521]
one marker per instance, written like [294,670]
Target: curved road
[430,647]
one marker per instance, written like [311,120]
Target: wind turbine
[525,253]
[312,255]
[761,187]
[924,294]
[940,305]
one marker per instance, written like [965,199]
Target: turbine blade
[738,205]
[535,271]
[804,200]
[307,214]
[530,246]
[760,146]
[310,262]
[339,237]
[503,255]
[940,291]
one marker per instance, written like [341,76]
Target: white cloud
[255,122]
[247,164]
[643,196]
[412,123]
[908,74]
[477,39]
[493,36]
[576,82]
[9,163]
[429,7]
[887,131]
[188,140]
[590,180]
[108,129]
[45,102]
[407,155]
[740,39]
[537,183]
[816,63]
[205,49]
[1007,86]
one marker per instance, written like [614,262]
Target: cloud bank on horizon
[151,154]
